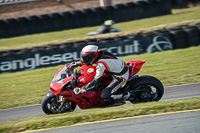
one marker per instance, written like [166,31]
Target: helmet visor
[88,58]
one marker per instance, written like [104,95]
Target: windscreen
[61,75]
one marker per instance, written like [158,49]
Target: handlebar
[70,71]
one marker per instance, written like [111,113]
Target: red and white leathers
[111,65]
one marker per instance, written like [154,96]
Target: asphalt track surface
[171,93]
[172,122]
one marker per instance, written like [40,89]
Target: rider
[106,27]
[109,64]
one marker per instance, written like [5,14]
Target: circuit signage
[118,48]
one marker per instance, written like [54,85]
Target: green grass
[89,115]
[45,38]
[172,67]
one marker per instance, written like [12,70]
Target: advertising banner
[50,56]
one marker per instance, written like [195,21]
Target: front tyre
[51,106]
[146,88]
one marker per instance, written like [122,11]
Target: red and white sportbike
[62,98]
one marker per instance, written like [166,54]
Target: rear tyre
[153,89]
[51,106]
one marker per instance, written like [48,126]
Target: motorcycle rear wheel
[153,87]
[49,105]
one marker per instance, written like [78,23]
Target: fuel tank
[87,74]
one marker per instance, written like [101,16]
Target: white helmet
[89,54]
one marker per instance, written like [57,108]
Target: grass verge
[172,67]
[67,119]
[41,39]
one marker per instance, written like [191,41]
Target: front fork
[60,100]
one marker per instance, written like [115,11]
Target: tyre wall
[184,3]
[160,40]
[82,18]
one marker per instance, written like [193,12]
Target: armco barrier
[160,40]
[81,18]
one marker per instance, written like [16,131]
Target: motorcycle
[112,30]
[61,97]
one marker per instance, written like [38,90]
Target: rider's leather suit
[111,65]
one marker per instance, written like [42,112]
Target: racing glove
[74,65]
[77,90]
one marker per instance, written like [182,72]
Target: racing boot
[122,101]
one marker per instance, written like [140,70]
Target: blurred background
[23,8]
[21,17]
[43,33]
[30,29]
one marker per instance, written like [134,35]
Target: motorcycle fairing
[60,79]
[134,67]
[57,87]
[86,74]
[89,99]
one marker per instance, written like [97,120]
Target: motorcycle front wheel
[145,89]
[51,106]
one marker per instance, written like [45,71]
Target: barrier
[192,35]
[179,38]
[183,3]
[82,18]
[160,40]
